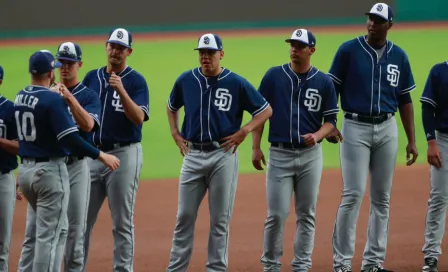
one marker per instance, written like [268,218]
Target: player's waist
[106,147]
[286,145]
[34,160]
[205,146]
[370,119]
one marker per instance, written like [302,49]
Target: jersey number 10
[27,122]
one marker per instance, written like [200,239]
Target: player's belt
[289,145]
[378,119]
[72,159]
[206,147]
[109,147]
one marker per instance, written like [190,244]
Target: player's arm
[10,146]
[429,107]
[265,89]
[338,68]
[406,109]
[135,113]
[175,102]
[84,120]
[11,143]
[254,103]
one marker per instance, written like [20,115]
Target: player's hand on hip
[310,139]
[115,82]
[258,158]
[335,136]
[434,155]
[233,141]
[181,143]
[109,160]
[411,149]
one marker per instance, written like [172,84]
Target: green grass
[162,61]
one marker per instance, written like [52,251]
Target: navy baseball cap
[120,36]
[69,51]
[304,36]
[42,62]
[1,72]
[210,41]
[382,10]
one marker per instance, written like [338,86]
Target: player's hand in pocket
[335,136]
[233,141]
[258,158]
[109,160]
[434,155]
[181,144]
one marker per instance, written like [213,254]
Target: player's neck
[376,43]
[301,68]
[212,73]
[115,68]
[44,83]
[70,83]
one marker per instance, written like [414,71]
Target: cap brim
[378,15]
[67,58]
[208,48]
[57,64]
[293,40]
[120,43]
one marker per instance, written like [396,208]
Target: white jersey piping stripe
[209,100]
[173,109]
[79,90]
[310,77]
[330,112]
[3,101]
[371,57]
[335,79]
[407,90]
[429,101]
[200,109]
[261,109]
[145,109]
[66,132]
[292,91]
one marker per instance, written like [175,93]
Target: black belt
[378,119]
[289,145]
[35,159]
[72,159]
[206,147]
[109,147]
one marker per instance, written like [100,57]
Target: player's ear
[1,81]
[221,55]
[80,64]
[390,25]
[129,51]
[312,50]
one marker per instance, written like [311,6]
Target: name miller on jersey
[26,100]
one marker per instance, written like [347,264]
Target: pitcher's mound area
[155,216]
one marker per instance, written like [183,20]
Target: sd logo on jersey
[393,75]
[2,129]
[223,99]
[116,102]
[313,100]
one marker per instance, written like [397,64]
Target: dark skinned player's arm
[407,116]
[10,146]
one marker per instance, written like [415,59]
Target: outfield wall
[53,17]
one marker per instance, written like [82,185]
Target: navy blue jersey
[90,102]
[42,119]
[300,103]
[367,84]
[115,127]
[435,94]
[8,130]
[213,106]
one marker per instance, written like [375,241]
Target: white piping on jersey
[66,132]
[261,109]
[101,89]
[200,108]
[379,92]
[102,119]
[79,90]
[373,75]
[335,79]
[290,116]
[4,101]
[429,101]
[42,89]
[329,112]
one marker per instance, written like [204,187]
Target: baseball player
[124,97]
[84,106]
[435,116]
[46,131]
[301,97]
[373,77]
[9,147]
[214,99]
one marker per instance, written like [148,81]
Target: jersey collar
[363,41]
[311,73]
[225,72]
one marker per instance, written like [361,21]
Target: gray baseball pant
[216,172]
[120,187]
[46,187]
[437,203]
[72,234]
[7,205]
[291,173]
[366,148]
